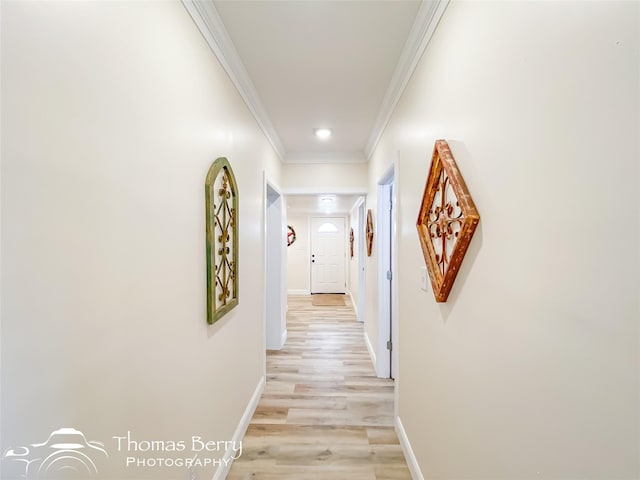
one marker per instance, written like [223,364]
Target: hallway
[324,414]
[112,115]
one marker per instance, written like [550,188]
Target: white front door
[327,255]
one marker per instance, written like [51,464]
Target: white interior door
[327,255]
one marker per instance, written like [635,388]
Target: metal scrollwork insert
[221,197]
[447,220]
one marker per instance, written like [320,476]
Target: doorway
[386,266]
[328,255]
[275,236]
[362,255]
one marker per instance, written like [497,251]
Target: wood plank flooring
[323,415]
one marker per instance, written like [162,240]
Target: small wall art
[446,222]
[291,235]
[351,240]
[369,233]
[221,198]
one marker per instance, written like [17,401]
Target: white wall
[352,262]
[112,114]
[324,178]
[531,368]
[371,265]
[298,267]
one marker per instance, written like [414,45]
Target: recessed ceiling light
[327,199]
[322,133]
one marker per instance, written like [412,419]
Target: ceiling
[321,204]
[306,64]
[320,64]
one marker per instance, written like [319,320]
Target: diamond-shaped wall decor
[446,222]
[369,233]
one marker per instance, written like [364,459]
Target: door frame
[275,326]
[343,245]
[386,362]
[360,205]
[330,190]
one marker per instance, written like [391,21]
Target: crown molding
[208,21]
[423,28]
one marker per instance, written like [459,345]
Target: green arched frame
[221,197]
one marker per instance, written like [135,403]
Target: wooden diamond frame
[446,222]
[221,198]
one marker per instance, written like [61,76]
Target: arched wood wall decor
[351,239]
[369,233]
[291,235]
[446,221]
[221,197]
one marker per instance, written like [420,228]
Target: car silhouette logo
[65,454]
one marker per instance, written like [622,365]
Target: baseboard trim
[409,456]
[283,339]
[355,306]
[238,435]
[298,291]
[372,352]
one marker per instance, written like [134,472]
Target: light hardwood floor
[323,415]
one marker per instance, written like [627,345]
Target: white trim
[299,291]
[395,309]
[238,435]
[410,457]
[309,158]
[385,244]
[372,352]
[423,29]
[325,191]
[353,302]
[265,222]
[208,21]
[283,339]
[274,264]
[354,209]
[356,205]
[362,260]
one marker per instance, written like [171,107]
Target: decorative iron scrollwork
[447,220]
[444,221]
[221,197]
